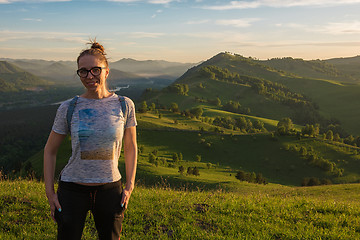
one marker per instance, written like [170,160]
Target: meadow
[254,212]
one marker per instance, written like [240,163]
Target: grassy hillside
[255,212]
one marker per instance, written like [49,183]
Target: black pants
[103,201]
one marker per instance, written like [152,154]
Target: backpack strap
[70,112]
[123,107]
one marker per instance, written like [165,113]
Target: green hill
[14,79]
[268,92]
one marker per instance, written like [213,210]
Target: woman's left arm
[130,153]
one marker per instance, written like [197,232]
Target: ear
[107,71]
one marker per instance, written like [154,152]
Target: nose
[90,75]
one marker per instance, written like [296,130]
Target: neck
[99,94]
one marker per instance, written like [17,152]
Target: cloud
[198,22]
[32,19]
[155,14]
[145,35]
[279,4]
[245,22]
[335,28]
[342,28]
[47,36]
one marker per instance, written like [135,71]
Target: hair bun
[98,46]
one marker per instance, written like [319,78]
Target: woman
[91,180]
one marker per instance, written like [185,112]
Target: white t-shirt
[97,129]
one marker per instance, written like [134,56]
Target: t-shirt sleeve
[131,118]
[60,125]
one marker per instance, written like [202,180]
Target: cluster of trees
[181,89]
[313,181]
[161,161]
[190,171]
[314,159]
[350,140]
[143,107]
[215,102]
[235,107]
[241,123]
[251,177]
[193,113]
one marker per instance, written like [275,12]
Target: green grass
[256,212]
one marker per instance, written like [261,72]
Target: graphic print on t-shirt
[97,133]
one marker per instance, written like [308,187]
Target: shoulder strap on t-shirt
[70,110]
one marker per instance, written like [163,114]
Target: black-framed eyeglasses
[95,71]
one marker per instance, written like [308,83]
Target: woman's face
[91,82]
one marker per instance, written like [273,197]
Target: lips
[91,84]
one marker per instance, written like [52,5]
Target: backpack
[72,105]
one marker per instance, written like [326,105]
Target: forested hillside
[14,79]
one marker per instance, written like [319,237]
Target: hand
[54,204]
[125,198]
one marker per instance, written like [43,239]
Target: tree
[196,171]
[180,156]
[303,151]
[329,135]
[198,158]
[143,107]
[258,124]
[189,171]
[181,169]
[197,112]
[285,126]
[218,102]
[152,107]
[240,175]
[174,108]
[141,149]
[175,157]
[152,158]
[337,137]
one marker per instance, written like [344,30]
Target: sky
[180,30]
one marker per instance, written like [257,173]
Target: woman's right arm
[50,151]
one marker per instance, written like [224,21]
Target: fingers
[54,205]
[57,204]
[125,198]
